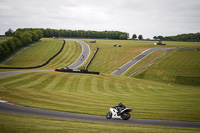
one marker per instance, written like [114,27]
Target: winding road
[85,54]
[3,74]
[16,109]
[9,108]
[135,60]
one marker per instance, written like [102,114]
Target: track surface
[135,60]
[8,108]
[85,54]
[3,74]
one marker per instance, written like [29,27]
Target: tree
[17,34]
[155,37]
[122,36]
[40,34]
[78,33]
[140,37]
[35,36]
[161,38]
[17,42]
[134,36]
[6,48]
[1,52]
[9,32]
[11,45]
[26,37]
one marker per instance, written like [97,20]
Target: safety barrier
[76,71]
[91,59]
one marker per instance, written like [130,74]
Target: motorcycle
[118,113]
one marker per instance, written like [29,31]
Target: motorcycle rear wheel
[109,115]
[126,116]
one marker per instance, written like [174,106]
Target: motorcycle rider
[120,107]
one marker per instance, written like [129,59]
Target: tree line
[20,39]
[80,33]
[191,37]
[140,37]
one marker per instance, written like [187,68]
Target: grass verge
[95,94]
[30,124]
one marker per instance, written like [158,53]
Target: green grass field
[147,94]
[11,123]
[109,58]
[40,53]
[93,94]
[68,56]
[182,67]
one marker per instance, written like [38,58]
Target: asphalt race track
[3,74]
[135,60]
[8,108]
[85,54]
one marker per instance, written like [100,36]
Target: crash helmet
[120,104]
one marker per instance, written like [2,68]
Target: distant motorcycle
[119,113]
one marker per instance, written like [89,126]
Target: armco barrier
[91,59]
[76,71]
[39,65]
[161,56]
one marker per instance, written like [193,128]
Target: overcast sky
[146,17]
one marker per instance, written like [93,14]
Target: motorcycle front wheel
[109,115]
[126,116]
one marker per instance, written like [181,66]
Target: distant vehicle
[120,46]
[120,112]
[93,41]
[160,43]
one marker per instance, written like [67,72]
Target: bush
[35,36]
[17,42]
[11,44]
[1,52]
[26,37]
[6,48]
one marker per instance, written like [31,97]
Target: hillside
[40,53]
[110,58]
[151,93]
[182,67]
[92,94]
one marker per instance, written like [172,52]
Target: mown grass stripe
[25,80]
[61,83]
[95,85]
[46,83]
[18,78]
[82,84]
[37,80]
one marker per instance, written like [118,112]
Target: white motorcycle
[118,113]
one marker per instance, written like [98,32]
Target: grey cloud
[155,17]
